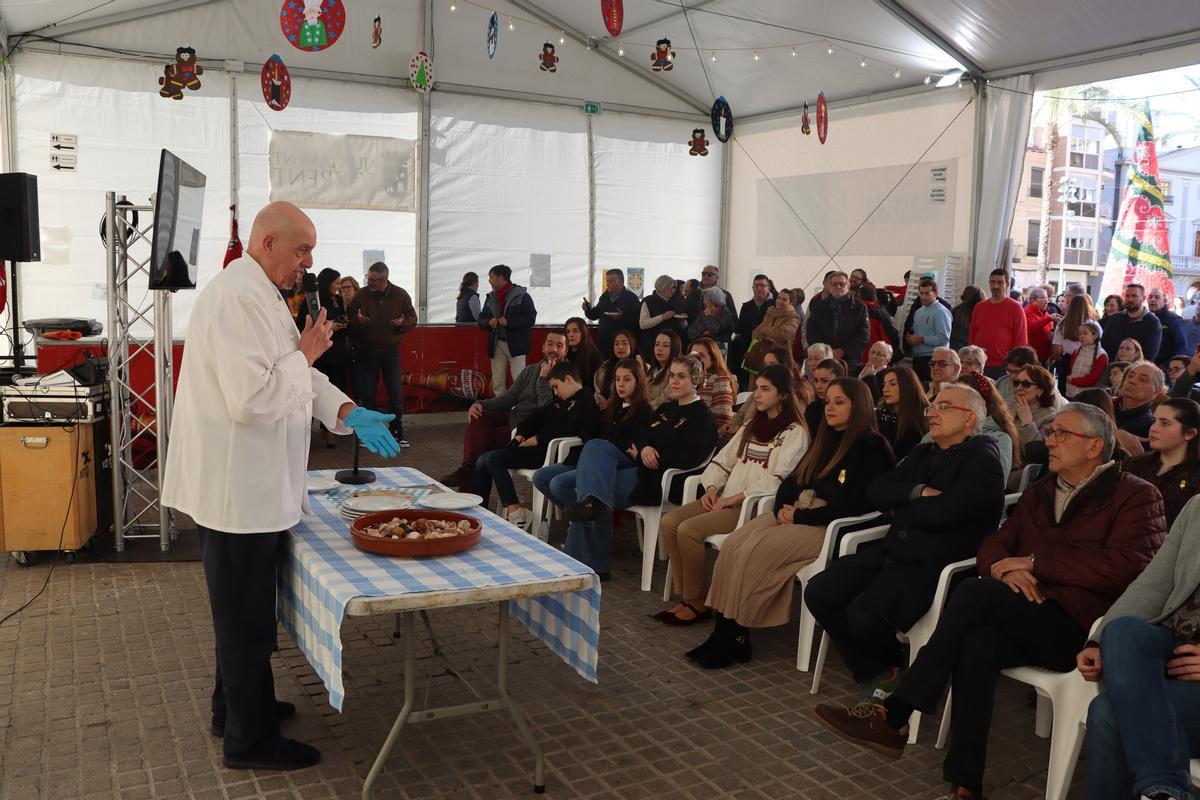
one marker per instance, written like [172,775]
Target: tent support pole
[591,157]
[726,191]
[977,176]
[424,116]
[235,149]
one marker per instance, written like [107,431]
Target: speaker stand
[355,477]
[18,351]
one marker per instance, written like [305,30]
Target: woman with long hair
[1130,351]
[681,434]
[756,459]
[1066,336]
[626,413]
[998,426]
[624,347]
[803,390]
[581,350]
[822,376]
[717,389]
[1130,445]
[1173,463]
[900,413]
[667,347]
[960,316]
[756,568]
[467,303]
[1036,400]
[1112,307]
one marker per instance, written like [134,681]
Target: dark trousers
[984,628]
[921,367]
[862,600]
[492,468]
[239,569]
[368,366]
[490,431]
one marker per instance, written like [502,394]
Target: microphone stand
[355,477]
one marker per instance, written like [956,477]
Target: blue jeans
[557,483]
[1144,727]
[368,365]
[609,475]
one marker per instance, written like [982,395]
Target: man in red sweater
[998,325]
[1077,538]
[1039,323]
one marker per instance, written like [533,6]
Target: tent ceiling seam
[930,34]
[1083,59]
[119,17]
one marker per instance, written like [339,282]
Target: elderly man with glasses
[1077,538]
[944,497]
[944,369]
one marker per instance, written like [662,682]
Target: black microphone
[310,295]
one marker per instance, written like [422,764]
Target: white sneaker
[403,443]
[520,517]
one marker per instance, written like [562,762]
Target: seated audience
[667,347]
[1130,351]
[571,413]
[900,412]
[1076,539]
[814,354]
[944,368]
[1173,463]
[803,390]
[624,345]
[1176,368]
[1087,365]
[626,414]
[662,310]
[1017,359]
[879,356]
[490,422]
[756,567]
[1035,401]
[972,358]
[826,372]
[882,326]
[717,389]
[581,351]
[944,498]
[1116,374]
[998,426]
[1128,445]
[777,329]
[1143,382]
[1142,728]
[681,434]
[756,459]
[715,320]
[1184,384]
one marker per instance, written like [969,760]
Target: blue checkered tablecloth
[324,571]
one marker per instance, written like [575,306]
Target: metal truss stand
[141,420]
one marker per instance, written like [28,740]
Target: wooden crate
[39,465]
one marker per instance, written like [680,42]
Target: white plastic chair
[1196,771]
[1029,474]
[1063,700]
[741,398]
[556,453]
[649,517]
[691,489]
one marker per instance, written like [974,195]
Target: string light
[620,49]
[863,63]
[714,56]
[511,26]
[756,55]
[896,74]
[928,80]
[453,7]
[829,48]
[793,52]
[562,38]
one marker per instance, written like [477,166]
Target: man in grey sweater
[1145,725]
[490,422]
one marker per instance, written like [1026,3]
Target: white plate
[370,503]
[317,485]
[450,501]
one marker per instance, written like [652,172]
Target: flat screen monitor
[178,208]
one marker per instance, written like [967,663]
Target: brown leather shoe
[463,476]
[961,793]
[864,724]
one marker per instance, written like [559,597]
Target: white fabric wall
[1009,105]
[868,148]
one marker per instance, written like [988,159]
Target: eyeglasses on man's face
[1058,434]
[942,407]
[941,363]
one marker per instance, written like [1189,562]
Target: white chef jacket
[241,426]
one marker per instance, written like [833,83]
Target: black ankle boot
[589,512]
[733,645]
[719,632]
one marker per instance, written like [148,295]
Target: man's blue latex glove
[372,430]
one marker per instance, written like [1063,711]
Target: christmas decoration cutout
[493,34]
[722,120]
[613,12]
[181,74]
[376,33]
[276,83]
[420,72]
[699,143]
[663,57]
[548,61]
[822,118]
[312,25]
[805,123]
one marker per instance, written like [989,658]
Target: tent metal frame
[138,512]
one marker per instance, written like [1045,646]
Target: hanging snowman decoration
[663,57]
[722,119]
[493,34]
[548,61]
[699,143]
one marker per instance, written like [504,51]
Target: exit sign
[591,108]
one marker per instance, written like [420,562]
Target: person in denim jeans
[1145,725]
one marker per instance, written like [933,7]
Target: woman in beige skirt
[755,460]
[756,568]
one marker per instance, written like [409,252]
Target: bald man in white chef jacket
[237,461]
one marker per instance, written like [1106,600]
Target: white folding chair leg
[808,632]
[822,650]
[649,547]
[1066,740]
[1043,724]
[536,526]
[944,727]
[667,584]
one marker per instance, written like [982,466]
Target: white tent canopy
[510,169]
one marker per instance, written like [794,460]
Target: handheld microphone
[310,295]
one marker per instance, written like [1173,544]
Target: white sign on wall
[318,170]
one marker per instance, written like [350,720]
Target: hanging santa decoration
[493,34]
[805,124]
[312,25]
[822,118]
[420,72]
[613,12]
[548,61]
[276,84]
[699,143]
[663,57]
[722,120]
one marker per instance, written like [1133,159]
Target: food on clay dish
[400,528]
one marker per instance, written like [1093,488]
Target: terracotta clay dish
[403,543]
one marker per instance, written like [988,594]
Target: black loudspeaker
[20,237]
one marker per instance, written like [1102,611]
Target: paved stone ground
[104,686]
